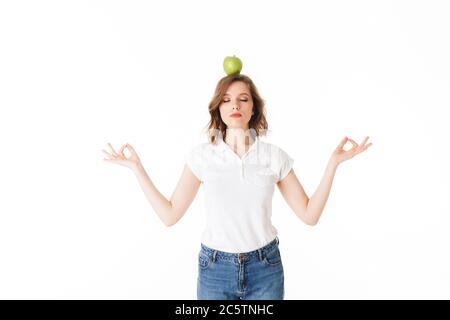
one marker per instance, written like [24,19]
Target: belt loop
[214,256]
[278,241]
[260,254]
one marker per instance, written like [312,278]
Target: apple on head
[232,65]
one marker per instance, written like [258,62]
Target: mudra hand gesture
[119,157]
[340,155]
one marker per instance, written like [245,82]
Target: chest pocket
[262,177]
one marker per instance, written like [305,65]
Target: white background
[75,75]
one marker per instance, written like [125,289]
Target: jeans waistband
[261,252]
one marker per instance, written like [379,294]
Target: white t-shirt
[238,192]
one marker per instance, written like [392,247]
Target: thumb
[343,142]
[129,147]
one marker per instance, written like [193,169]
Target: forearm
[160,204]
[318,200]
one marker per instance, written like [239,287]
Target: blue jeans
[254,275]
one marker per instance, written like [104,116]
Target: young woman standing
[239,254]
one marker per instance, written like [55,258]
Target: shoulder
[198,151]
[280,161]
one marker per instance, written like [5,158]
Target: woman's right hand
[119,157]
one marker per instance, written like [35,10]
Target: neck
[238,137]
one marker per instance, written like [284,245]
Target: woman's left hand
[340,155]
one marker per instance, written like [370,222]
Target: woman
[239,256]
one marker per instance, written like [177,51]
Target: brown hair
[257,125]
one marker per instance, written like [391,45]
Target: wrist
[137,168]
[333,161]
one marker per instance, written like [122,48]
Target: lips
[235,115]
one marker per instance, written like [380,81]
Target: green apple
[232,65]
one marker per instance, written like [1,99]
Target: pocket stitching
[278,258]
[204,261]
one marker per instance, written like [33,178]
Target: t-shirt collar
[223,147]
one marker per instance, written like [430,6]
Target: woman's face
[237,100]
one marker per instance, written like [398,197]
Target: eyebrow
[227,94]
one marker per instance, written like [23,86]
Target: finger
[353,142]
[355,145]
[121,162]
[130,147]
[107,153]
[343,142]
[367,146]
[112,149]
[121,150]
[132,151]
[364,141]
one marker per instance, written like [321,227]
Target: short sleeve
[194,160]
[286,163]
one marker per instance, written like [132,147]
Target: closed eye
[229,100]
